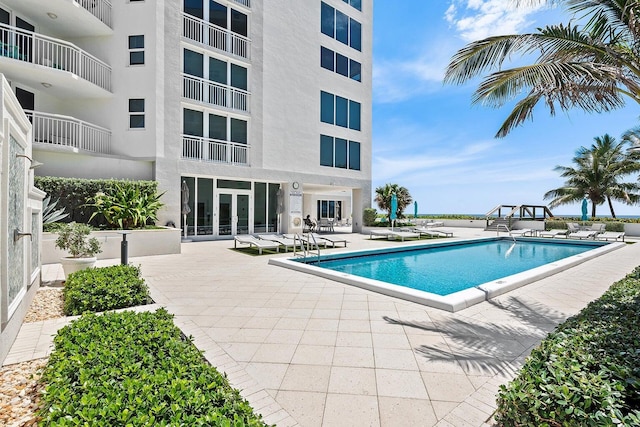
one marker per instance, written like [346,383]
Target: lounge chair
[282,240]
[573,227]
[598,228]
[423,231]
[257,243]
[556,232]
[433,224]
[394,234]
[329,239]
[522,232]
[610,235]
[583,234]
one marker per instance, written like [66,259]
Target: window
[217,14]
[239,131]
[136,50]
[238,77]
[217,71]
[217,127]
[326,108]
[326,150]
[342,111]
[342,65]
[339,26]
[354,155]
[136,113]
[355,3]
[354,115]
[193,63]
[239,23]
[355,70]
[192,122]
[327,58]
[339,153]
[327,16]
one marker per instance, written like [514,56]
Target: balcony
[57,130]
[245,3]
[208,92]
[25,48]
[210,35]
[67,18]
[214,151]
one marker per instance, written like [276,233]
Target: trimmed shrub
[369,216]
[615,226]
[134,369]
[75,194]
[554,224]
[104,288]
[585,373]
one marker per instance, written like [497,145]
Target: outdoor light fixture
[47,85]
[52,15]
[34,163]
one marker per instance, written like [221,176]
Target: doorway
[233,212]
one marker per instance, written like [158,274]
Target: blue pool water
[449,269]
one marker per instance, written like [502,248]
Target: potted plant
[74,238]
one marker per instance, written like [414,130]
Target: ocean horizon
[558,215]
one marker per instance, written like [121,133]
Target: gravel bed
[19,388]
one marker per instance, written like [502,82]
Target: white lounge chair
[611,235]
[389,234]
[282,240]
[257,243]
[522,232]
[433,233]
[556,232]
[583,234]
[329,239]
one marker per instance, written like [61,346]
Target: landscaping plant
[135,369]
[104,288]
[74,238]
[127,207]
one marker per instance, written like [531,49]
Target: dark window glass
[26,99]
[354,115]
[327,58]
[238,77]
[136,42]
[217,14]
[342,27]
[136,58]
[136,121]
[342,65]
[355,70]
[355,30]
[341,153]
[238,185]
[326,150]
[260,207]
[193,8]
[192,122]
[239,23]
[327,24]
[193,63]
[217,127]
[354,155]
[4,17]
[238,131]
[217,71]
[357,4]
[342,111]
[21,23]
[326,107]
[136,105]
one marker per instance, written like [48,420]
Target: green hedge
[585,373]
[134,369]
[74,194]
[104,288]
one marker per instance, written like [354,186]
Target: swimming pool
[451,275]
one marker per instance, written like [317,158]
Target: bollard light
[124,247]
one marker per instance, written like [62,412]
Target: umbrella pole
[185,225]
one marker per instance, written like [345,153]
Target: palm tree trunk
[593,210]
[613,214]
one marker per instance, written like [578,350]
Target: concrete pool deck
[312,352]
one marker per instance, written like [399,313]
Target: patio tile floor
[311,352]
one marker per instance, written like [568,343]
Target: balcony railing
[213,93]
[213,150]
[245,3]
[216,37]
[53,53]
[101,9]
[68,131]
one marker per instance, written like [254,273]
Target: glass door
[234,214]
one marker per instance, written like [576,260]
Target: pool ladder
[506,228]
[306,249]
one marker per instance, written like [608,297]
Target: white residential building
[236,98]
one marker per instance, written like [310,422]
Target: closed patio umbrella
[184,193]
[415,209]
[394,209]
[584,209]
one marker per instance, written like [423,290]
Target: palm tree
[597,174]
[383,199]
[593,67]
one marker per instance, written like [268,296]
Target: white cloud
[478,19]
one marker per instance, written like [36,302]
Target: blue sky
[428,137]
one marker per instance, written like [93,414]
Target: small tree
[383,199]
[74,238]
[369,216]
